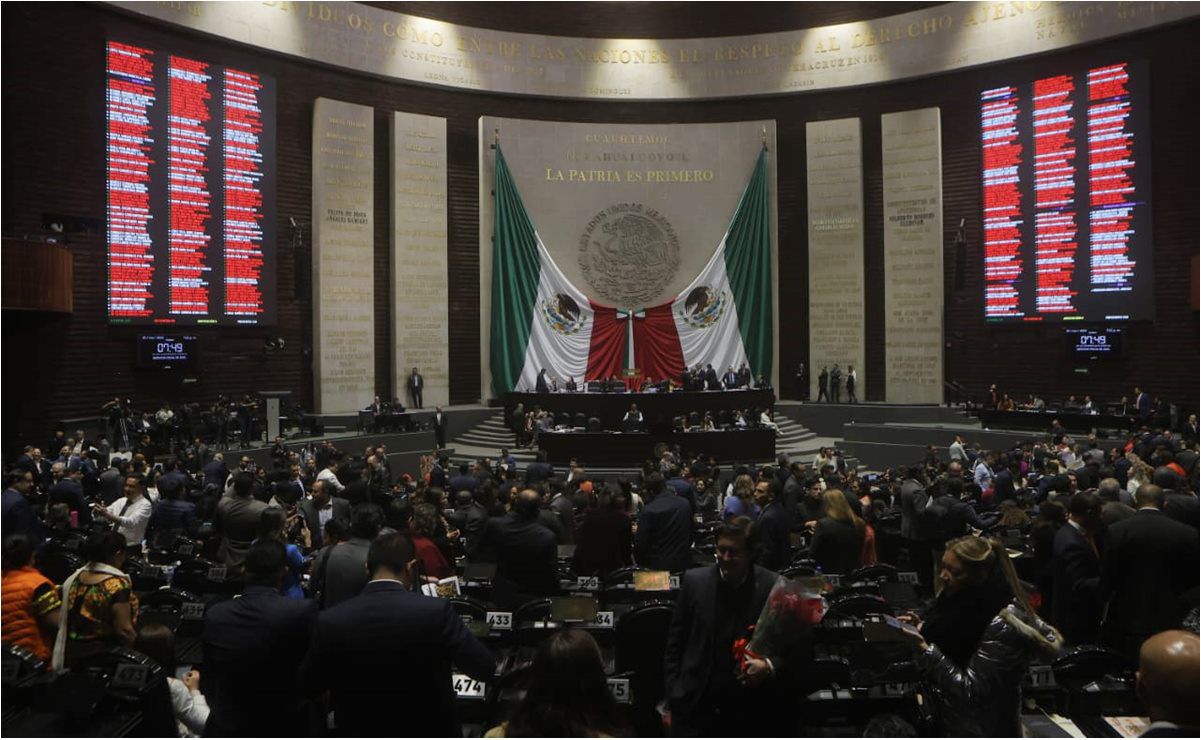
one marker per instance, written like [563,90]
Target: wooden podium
[38,276]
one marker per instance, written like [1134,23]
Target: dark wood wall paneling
[63,367]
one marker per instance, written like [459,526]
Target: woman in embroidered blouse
[100,606]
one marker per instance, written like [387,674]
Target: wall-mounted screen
[190,153]
[1094,344]
[161,352]
[1067,197]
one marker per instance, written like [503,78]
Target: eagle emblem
[703,307]
[562,314]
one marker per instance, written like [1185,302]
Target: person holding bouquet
[710,690]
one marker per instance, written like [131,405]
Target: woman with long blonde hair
[741,501]
[979,638]
[838,539]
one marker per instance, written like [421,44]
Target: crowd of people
[697,378]
[331,550]
[1140,405]
[527,424]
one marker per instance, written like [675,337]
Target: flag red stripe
[657,351]
[607,348]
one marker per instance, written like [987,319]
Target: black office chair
[594,425]
[58,565]
[535,610]
[562,419]
[136,682]
[876,572]
[641,637]
[580,420]
[857,605]
[19,665]
[204,577]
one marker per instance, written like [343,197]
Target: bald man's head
[1168,665]
[527,503]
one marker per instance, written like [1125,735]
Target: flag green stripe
[748,268]
[515,274]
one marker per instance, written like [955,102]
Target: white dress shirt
[132,519]
[330,477]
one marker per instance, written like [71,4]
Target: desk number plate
[467,687]
[129,676]
[604,619]
[620,689]
[1041,676]
[500,620]
[588,583]
[907,577]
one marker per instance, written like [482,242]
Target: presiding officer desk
[615,449]
[1040,421]
[658,409]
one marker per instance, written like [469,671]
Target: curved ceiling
[661,20]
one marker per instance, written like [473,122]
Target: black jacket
[837,546]
[254,646]
[526,556]
[386,657]
[1075,573]
[689,653]
[775,548]
[664,537]
[984,699]
[1148,573]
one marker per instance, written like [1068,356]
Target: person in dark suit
[464,481]
[215,472]
[1076,571]
[708,693]
[664,537]
[254,647]
[322,507]
[540,384]
[1149,573]
[525,552]
[711,381]
[563,509]
[836,384]
[774,525]
[237,520]
[837,544]
[603,542]
[1179,502]
[823,384]
[1166,682]
[1142,402]
[19,516]
[69,491]
[342,574]
[415,384]
[469,517]
[439,425]
[385,655]
[539,470]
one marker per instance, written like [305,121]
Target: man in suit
[525,552]
[1179,502]
[439,424]
[469,517]
[322,507]
[19,516]
[1148,573]
[215,472]
[563,508]
[683,487]
[664,537]
[416,384]
[774,525]
[385,655]
[1166,682]
[1142,401]
[343,573]
[237,520]
[254,646]
[730,379]
[708,693]
[464,481]
[1191,432]
[836,384]
[67,490]
[711,381]
[823,381]
[539,470]
[1076,570]
[540,384]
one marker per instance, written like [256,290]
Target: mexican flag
[542,321]
[724,317]
[539,319]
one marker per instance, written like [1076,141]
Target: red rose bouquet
[793,607]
